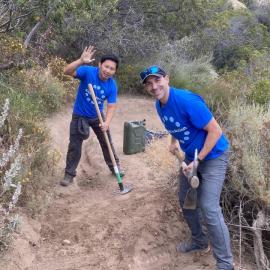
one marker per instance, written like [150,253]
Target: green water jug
[134,137]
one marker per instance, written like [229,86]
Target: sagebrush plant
[10,188]
[250,141]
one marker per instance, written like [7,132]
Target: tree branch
[37,26]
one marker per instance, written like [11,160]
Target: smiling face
[107,69]
[158,87]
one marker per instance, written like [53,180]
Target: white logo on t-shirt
[177,129]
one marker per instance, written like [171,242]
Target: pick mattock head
[126,190]
[191,199]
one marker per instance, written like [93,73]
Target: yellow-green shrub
[56,66]
[261,92]
[11,48]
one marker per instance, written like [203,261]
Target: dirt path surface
[88,227]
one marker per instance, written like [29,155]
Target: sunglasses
[153,70]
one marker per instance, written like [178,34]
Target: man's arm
[85,58]
[109,115]
[214,132]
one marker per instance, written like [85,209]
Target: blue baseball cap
[152,71]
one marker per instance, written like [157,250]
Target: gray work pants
[212,175]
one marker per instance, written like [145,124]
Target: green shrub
[261,92]
[56,66]
[128,79]
[40,88]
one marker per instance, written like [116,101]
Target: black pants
[76,138]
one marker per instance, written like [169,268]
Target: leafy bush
[261,92]
[128,79]
[38,87]
[248,83]
[56,66]
[235,36]
[11,49]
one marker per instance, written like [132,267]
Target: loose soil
[87,226]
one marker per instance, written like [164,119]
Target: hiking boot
[68,179]
[189,246]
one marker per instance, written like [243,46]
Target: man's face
[107,69]
[158,87]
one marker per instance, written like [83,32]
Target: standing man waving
[84,112]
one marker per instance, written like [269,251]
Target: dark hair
[111,57]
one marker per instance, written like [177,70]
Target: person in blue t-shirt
[84,112]
[190,122]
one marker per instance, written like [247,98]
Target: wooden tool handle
[101,122]
[179,156]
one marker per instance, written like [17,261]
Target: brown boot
[68,179]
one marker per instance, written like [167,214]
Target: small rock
[32,243]
[196,258]
[66,242]
[205,264]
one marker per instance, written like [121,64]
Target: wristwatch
[200,160]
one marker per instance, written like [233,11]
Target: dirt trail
[137,231]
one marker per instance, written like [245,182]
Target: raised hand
[87,55]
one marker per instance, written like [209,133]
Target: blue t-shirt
[184,116]
[104,90]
